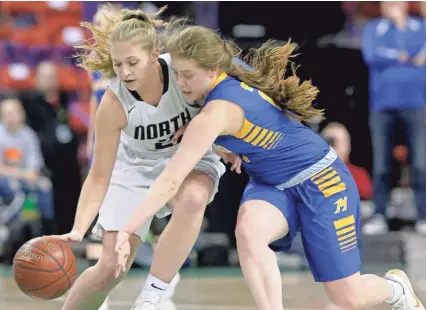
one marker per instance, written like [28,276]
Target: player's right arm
[110,119]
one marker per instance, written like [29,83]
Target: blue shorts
[326,209]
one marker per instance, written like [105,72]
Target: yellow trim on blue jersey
[334,189]
[252,135]
[246,86]
[348,247]
[271,141]
[219,79]
[244,131]
[355,246]
[279,138]
[346,233]
[245,159]
[348,241]
[346,221]
[267,138]
[258,136]
[326,177]
[321,173]
[268,99]
[328,182]
[345,230]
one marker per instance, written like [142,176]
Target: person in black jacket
[47,114]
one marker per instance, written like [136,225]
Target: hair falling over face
[118,26]
[273,71]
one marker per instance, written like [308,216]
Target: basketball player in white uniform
[138,116]
[145,148]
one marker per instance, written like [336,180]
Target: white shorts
[132,176]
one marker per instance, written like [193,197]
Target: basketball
[44,268]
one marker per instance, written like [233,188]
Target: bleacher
[44,31]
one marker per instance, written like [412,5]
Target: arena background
[329,36]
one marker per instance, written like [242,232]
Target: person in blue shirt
[99,86]
[394,50]
[297,181]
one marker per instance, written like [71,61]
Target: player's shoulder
[227,84]
[110,96]
[227,89]
[113,111]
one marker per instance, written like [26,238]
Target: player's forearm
[158,196]
[91,197]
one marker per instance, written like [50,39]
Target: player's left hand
[227,157]
[123,251]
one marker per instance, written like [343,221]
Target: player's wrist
[78,230]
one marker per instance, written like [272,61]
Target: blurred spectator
[21,162]
[337,135]
[394,50]
[357,15]
[422,9]
[47,112]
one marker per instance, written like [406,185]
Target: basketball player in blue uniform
[297,181]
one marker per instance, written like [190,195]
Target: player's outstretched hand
[234,159]
[73,236]
[123,251]
[236,162]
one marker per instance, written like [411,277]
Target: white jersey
[150,128]
[145,149]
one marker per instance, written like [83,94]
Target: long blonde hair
[270,63]
[118,26]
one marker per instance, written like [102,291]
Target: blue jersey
[274,148]
[99,86]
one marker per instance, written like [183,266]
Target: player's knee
[107,263]
[347,293]
[248,239]
[191,202]
[107,266]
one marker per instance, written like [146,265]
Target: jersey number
[164,144]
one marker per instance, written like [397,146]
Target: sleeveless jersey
[274,148]
[150,129]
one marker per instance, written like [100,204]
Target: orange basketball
[44,268]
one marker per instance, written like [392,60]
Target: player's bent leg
[329,216]
[95,283]
[178,238]
[361,291]
[356,291]
[258,224]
